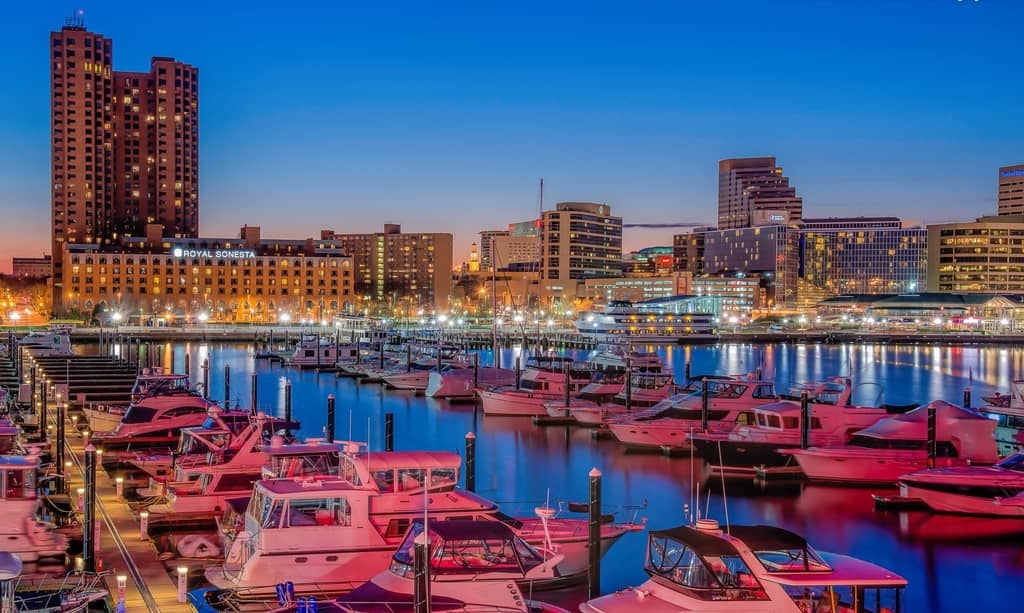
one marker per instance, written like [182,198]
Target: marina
[645,490]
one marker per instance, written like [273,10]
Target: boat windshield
[1014,462]
[265,510]
[472,553]
[827,598]
[796,559]
[719,574]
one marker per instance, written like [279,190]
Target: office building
[124,146]
[395,267]
[688,251]
[516,253]
[983,256]
[754,192]
[635,287]
[653,260]
[487,247]
[1011,190]
[580,240]
[864,255]
[26,268]
[245,278]
[740,294]
[772,252]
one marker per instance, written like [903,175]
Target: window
[319,512]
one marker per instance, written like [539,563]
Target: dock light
[937,321]
[122,588]
[79,564]
[81,498]
[182,583]
[144,526]
[119,486]
[85,437]
[74,420]
[1004,322]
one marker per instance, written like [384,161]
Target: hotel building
[24,268]
[398,267]
[754,192]
[1011,190]
[124,146]
[864,255]
[983,256]
[773,252]
[580,240]
[247,278]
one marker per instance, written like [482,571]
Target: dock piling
[206,378]
[408,357]
[421,573]
[471,461]
[254,392]
[89,522]
[188,364]
[967,397]
[287,406]
[805,420]
[227,387]
[62,476]
[629,383]
[389,432]
[330,418]
[476,370]
[933,443]
[518,372]
[704,404]
[594,535]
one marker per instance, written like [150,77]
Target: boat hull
[944,501]
[102,421]
[514,403]
[856,466]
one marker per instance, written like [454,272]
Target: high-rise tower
[753,191]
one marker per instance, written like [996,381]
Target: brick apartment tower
[125,146]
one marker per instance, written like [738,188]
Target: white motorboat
[345,526]
[750,569]
[41,594]
[764,443]
[1008,411]
[151,383]
[54,341]
[463,382]
[315,351]
[21,532]
[897,445]
[545,379]
[667,425]
[157,422]
[969,490]
[415,375]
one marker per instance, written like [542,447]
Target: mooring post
[476,370]
[255,393]
[933,443]
[227,387]
[287,406]
[389,432]
[89,523]
[421,573]
[408,357]
[629,383]
[687,371]
[188,364]
[206,378]
[518,372]
[471,461]
[704,401]
[330,418]
[967,397]
[805,420]
[58,456]
[594,535]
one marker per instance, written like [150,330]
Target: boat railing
[256,598]
[46,592]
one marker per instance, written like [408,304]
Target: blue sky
[443,116]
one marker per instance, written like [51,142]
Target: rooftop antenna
[76,19]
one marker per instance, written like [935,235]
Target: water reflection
[521,465]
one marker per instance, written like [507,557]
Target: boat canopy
[10,566]
[970,432]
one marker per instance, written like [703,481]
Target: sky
[444,116]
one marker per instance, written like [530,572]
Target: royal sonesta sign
[238,254]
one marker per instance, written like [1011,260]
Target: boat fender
[289,588]
[281,599]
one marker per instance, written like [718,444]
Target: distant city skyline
[443,118]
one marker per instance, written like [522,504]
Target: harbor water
[952,564]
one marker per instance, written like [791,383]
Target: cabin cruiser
[315,351]
[157,423]
[969,490]
[199,489]
[647,390]
[152,383]
[474,566]
[1008,412]
[414,375]
[667,425]
[619,357]
[750,569]
[344,526]
[463,382]
[55,341]
[215,442]
[546,379]
[897,445]
[21,533]
[775,429]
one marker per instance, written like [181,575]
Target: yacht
[666,426]
[23,594]
[415,375]
[969,490]
[615,356]
[55,341]
[151,383]
[157,422]
[545,379]
[333,530]
[750,569]
[1008,411]
[897,445]
[315,351]
[775,429]
[20,532]
[648,389]
[463,382]
[474,566]
[655,320]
